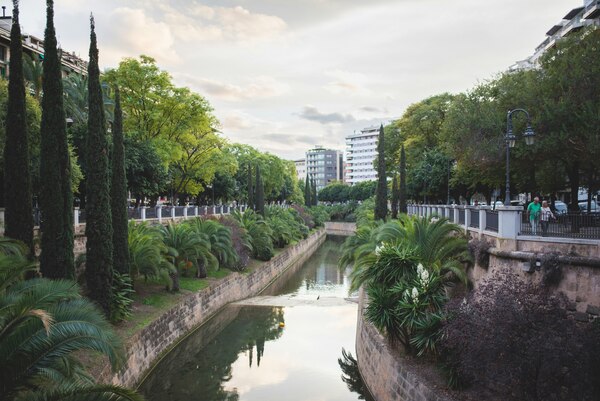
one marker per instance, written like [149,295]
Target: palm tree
[42,323]
[219,236]
[258,231]
[148,253]
[76,97]
[34,71]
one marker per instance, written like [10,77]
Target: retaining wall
[146,347]
[388,375]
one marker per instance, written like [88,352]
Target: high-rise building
[574,20]
[300,168]
[324,166]
[361,151]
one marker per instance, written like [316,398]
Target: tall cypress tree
[314,199]
[18,218]
[395,197]
[118,193]
[307,195]
[381,194]
[98,229]
[56,197]
[260,193]
[402,199]
[251,201]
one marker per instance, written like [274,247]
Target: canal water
[287,344]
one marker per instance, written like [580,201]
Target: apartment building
[34,47]
[573,21]
[300,168]
[361,151]
[324,166]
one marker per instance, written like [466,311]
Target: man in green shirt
[534,211]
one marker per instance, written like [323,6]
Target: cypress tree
[250,188]
[118,193]
[18,218]
[260,193]
[314,200]
[402,198]
[381,194]
[395,197]
[98,229]
[307,195]
[56,198]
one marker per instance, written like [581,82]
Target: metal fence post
[143,213]
[159,213]
[76,216]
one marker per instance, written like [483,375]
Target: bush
[515,340]
[122,297]
[240,242]
[319,215]
[305,216]
[257,232]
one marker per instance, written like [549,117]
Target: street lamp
[510,140]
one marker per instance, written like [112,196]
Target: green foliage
[98,227]
[251,197]
[146,175]
[286,226]
[148,255]
[365,215]
[405,266]
[313,194]
[55,196]
[402,185]
[395,197]
[335,192]
[118,194]
[43,323]
[260,193]
[219,236]
[307,192]
[362,191]
[18,220]
[257,232]
[381,197]
[122,297]
[319,215]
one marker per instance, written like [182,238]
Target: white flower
[415,294]
[378,250]
[420,268]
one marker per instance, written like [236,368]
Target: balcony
[554,29]
[592,11]
[573,13]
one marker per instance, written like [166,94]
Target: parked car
[560,208]
[583,206]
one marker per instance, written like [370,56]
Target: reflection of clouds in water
[302,363]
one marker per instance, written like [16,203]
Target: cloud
[346,82]
[201,23]
[311,113]
[371,109]
[255,88]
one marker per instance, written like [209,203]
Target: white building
[574,20]
[361,151]
[300,168]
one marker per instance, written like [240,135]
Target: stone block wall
[385,373]
[146,347]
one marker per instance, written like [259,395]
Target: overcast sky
[285,75]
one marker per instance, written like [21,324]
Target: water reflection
[351,376]
[262,353]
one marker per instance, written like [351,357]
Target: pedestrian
[533,212]
[546,214]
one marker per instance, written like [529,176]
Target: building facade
[34,47]
[324,166]
[300,168]
[361,151]
[573,21]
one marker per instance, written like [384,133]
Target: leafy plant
[122,297]
[258,232]
[219,236]
[42,323]
[148,253]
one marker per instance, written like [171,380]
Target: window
[3,55]
[2,71]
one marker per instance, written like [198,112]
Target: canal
[286,344]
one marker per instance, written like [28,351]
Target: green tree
[395,197]
[381,194]
[260,193]
[402,189]
[146,174]
[34,72]
[56,196]
[98,228]
[314,200]
[18,218]
[251,196]
[307,195]
[118,193]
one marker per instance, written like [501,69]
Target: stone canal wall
[387,375]
[145,348]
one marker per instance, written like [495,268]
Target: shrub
[306,217]
[148,253]
[121,297]
[319,215]
[241,244]
[258,232]
[515,340]
[219,236]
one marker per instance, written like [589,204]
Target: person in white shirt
[546,214]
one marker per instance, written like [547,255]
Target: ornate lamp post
[510,140]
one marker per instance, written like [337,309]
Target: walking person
[533,212]
[545,215]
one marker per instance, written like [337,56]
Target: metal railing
[491,220]
[568,225]
[461,216]
[474,218]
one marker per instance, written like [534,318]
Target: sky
[286,75]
